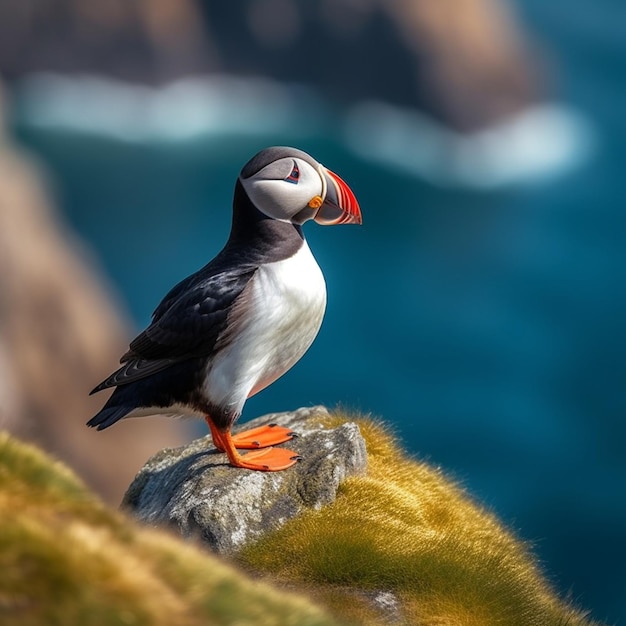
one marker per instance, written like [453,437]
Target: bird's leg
[254,438]
[215,434]
[268,459]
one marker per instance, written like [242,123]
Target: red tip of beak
[340,205]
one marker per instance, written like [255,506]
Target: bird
[236,325]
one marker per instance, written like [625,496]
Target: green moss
[24,467]
[406,529]
[66,560]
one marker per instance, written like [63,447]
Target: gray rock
[194,489]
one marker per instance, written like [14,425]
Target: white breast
[288,300]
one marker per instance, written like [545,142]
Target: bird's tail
[108,416]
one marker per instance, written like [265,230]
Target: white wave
[179,111]
[541,141]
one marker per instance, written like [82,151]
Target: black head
[289,185]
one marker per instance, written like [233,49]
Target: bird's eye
[294,177]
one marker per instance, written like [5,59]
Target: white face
[284,188]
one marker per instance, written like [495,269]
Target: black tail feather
[108,416]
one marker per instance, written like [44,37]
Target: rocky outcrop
[195,490]
[464,62]
[60,333]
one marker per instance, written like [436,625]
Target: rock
[466,63]
[389,605]
[195,490]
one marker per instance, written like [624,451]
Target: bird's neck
[252,228]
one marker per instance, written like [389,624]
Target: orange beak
[340,205]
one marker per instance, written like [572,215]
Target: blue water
[487,327]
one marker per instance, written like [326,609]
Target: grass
[405,528]
[67,560]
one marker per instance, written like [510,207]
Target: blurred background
[480,308]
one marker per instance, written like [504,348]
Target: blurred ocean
[480,308]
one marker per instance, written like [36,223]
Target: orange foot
[266,460]
[262,437]
[255,438]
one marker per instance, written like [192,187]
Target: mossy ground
[67,560]
[405,528]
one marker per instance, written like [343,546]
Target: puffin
[240,322]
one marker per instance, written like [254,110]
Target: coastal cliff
[61,329]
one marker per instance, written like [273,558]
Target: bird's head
[287,184]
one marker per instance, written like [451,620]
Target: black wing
[188,323]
